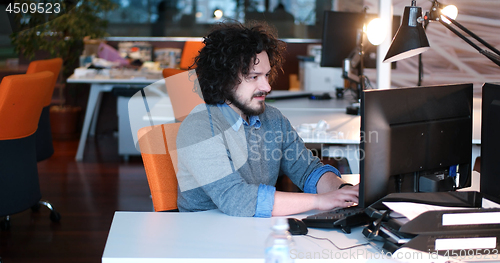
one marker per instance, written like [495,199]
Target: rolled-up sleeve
[311,183]
[265,201]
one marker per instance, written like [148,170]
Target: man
[232,149]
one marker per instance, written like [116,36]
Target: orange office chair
[180,87]
[183,93]
[168,72]
[20,109]
[189,52]
[44,147]
[160,163]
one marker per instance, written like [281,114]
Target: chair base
[5,223]
[54,215]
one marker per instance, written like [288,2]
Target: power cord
[331,242]
[368,84]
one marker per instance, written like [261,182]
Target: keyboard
[343,218]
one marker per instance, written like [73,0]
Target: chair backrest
[159,154]
[20,108]
[183,94]
[21,103]
[168,72]
[189,52]
[53,65]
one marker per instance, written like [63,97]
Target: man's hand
[287,203]
[328,197]
[344,197]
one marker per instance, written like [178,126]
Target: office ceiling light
[410,40]
[218,13]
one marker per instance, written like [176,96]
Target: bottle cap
[281,224]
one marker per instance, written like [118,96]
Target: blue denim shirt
[265,195]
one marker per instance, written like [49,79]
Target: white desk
[212,236]
[98,85]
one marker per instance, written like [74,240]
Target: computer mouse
[297,227]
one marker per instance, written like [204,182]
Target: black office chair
[20,109]
[44,145]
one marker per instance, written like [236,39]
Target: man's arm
[329,196]
[298,166]
[329,182]
[286,203]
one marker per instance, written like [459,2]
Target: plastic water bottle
[279,242]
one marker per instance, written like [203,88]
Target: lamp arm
[460,35]
[494,57]
[470,33]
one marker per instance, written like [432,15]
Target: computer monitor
[339,38]
[490,141]
[413,139]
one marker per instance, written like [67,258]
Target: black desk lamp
[410,40]
[356,61]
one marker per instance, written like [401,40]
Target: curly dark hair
[230,49]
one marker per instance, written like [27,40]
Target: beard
[245,109]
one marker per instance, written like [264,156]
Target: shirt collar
[235,119]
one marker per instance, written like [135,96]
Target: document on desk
[411,210]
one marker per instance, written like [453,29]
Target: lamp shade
[410,40]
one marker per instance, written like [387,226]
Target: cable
[368,83]
[324,238]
